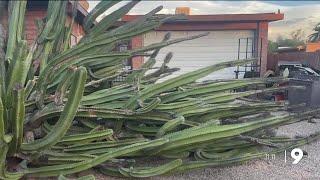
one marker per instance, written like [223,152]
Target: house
[232,36]
[38,10]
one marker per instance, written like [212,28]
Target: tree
[295,39]
[315,37]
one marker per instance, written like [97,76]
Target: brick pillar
[263,46]
[137,42]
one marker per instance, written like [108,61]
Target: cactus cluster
[68,115]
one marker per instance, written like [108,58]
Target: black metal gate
[249,48]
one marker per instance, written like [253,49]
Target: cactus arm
[3,145]
[16,73]
[29,87]
[181,80]
[210,88]
[63,86]
[152,105]
[107,71]
[2,59]
[2,120]
[218,97]
[3,154]
[137,22]
[167,43]
[89,123]
[77,167]
[147,65]
[18,114]
[162,69]
[16,20]
[137,75]
[81,148]
[97,11]
[111,171]
[69,29]
[108,20]
[211,131]
[93,99]
[149,172]
[66,117]
[55,7]
[87,177]
[86,137]
[170,125]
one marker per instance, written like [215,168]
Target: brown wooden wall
[307,58]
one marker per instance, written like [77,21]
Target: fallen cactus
[68,116]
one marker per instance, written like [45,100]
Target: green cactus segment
[67,115]
[86,137]
[77,167]
[81,148]
[3,144]
[149,172]
[152,105]
[88,177]
[106,96]
[63,87]
[18,114]
[181,80]
[17,72]
[16,21]
[211,88]
[210,131]
[100,8]
[170,125]
[3,152]
[110,19]
[138,75]
[2,120]
[57,9]
[218,97]
[2,60]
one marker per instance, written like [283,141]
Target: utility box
[310,95]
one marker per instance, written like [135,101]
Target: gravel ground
[307,168]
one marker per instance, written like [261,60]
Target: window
[127,62]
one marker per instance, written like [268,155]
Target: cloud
[297,16]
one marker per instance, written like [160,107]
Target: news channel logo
[296,155]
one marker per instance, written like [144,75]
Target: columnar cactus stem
[67,115]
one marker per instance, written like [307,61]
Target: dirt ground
[307,168]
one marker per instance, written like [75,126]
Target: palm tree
[315,37]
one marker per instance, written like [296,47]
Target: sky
[298,14]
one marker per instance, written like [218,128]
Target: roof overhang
[214,22]
[269,17]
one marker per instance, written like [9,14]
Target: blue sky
[298,14]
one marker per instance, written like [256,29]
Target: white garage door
[218,46]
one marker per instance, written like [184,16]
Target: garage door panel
[213,56]
[217,47]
